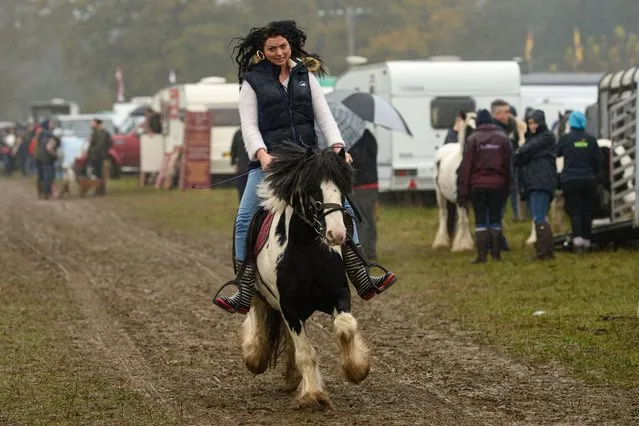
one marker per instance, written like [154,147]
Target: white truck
[428,94]
[556,93]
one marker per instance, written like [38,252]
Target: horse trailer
[618,122]
[428,94]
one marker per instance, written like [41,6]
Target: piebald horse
[300,271]
[448,159]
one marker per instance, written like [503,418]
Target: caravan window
[444,110]
[226,117]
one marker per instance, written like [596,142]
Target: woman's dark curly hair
[247,47]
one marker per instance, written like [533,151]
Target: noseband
[320,211]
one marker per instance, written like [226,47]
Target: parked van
[428,94]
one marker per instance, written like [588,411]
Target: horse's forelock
[296,169]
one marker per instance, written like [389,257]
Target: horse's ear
[342,153]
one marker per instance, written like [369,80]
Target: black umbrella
[371,108]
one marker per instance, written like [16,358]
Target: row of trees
[71,48]
[603,53]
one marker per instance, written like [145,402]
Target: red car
[80,126]
[127,147]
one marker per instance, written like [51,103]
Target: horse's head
[467,128]
[562,126]
[314,184]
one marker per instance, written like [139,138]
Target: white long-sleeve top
[253,140]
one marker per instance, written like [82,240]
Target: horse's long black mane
[296,169]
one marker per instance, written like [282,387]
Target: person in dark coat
[453,132]
[366,191]
[153,121]
[536,158]
[99,146]
[485,178]
[239,159]
[45,157]
[582,161]
[502,117]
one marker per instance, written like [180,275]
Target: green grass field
[589,324]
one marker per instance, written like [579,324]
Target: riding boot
[357,269]
[240,302]
[483,239]
[497,246]
[545,244]
[549,241]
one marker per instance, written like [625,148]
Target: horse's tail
[276,335]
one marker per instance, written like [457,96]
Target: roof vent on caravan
[213,80]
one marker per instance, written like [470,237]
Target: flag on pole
[579,50]
[120,79]
[528,48]
[172,77]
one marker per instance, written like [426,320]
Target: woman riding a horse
[281,100]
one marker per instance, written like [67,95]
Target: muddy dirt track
[145,322]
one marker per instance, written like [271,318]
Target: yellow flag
[579,50]
[528,48]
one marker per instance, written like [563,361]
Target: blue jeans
[249,205]
[539,203]
[46,176]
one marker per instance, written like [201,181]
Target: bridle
[320,211]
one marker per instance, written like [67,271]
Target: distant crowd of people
[494,167]
[36,150]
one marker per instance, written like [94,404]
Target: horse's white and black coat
[300,270]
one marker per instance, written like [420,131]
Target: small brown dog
[85,184]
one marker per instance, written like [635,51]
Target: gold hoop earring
[260,55]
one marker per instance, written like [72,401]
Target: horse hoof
[256,366]
[290,386]
[314,401]
[356,375]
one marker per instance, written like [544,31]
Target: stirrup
[372,265]
[235,309]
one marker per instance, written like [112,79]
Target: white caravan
[557,92]
[213,93]
[428,94]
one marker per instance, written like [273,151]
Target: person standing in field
[485,178]
[582,161]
